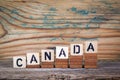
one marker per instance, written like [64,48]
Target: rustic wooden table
[107,70]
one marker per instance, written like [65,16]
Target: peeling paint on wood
[46,24]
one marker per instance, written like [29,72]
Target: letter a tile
[33,59]
[91,47]
[61,52]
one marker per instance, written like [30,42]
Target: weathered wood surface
[106,70]
[32,25]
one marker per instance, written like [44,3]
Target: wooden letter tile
[19,62]
[91,47]
[33,60]
[61,52]
[76,49]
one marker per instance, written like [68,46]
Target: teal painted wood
[45,24]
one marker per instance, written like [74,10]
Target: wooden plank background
[32,25]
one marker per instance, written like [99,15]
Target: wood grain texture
[90,60]
[32,25]
[76,61]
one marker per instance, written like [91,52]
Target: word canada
[62,56]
